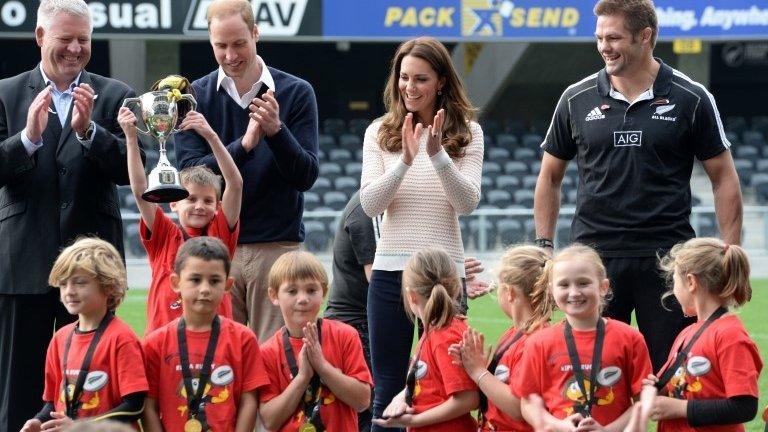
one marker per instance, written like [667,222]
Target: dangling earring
[439,92]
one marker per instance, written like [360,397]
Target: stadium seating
[512,162]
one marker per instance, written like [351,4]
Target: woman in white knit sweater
[422,166]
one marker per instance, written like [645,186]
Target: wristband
[544,243]
[477,381]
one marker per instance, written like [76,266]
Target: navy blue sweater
[277,171]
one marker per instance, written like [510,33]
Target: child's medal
[195,405]
[193,425]
[307,427]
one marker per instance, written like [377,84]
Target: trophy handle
[134,100]
[192,103]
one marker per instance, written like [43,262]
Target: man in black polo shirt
[635,128]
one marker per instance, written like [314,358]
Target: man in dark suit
[61,155]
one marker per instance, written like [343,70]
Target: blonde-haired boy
[316,367]
[94,367]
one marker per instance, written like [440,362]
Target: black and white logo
[502,373]
[95,380]
[222,375]
[698,366]
[664,109]
[595,114]
[609,376]
[627,138]
[274,17]
[421,369]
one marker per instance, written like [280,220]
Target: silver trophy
[160,112]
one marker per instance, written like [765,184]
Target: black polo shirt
[635,161]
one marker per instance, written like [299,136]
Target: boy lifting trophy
[160,109]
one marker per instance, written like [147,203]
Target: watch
[544,243]
[88,133]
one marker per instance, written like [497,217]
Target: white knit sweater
[422,201]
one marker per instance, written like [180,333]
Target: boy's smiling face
[196,210]
[81,293]
[299,301]
[201,284]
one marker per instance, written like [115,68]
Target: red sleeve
[455,379]
[130,361]
[152,364]
[53,369]
[155,239]
[527,379]
[219,227]
[353,360]
[270,354]
[253,363]
[739,362]
[641,362]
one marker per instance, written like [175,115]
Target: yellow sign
[686,46]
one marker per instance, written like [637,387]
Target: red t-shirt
[343,349]
[237,368]
[545,369]
[437,378]
[724,362]
[116,370]
[162,243]
[495,419]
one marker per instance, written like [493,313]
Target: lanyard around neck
[590,395]
[195,396]
[682,354]
[72,403]
[311,399]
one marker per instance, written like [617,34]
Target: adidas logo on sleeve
[595,114]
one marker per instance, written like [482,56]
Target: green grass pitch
[485,315]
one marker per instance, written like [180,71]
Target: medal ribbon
[589,396]
[682,354]
[73,404]
[311,399]
[410,379]
[195,398]
[497,355]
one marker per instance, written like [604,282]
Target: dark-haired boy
[204,370]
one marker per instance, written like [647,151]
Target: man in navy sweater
[268,121]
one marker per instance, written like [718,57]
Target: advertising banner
[532,20]
[175,19]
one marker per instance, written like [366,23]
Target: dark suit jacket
[64,190]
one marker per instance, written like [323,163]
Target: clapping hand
[475,287]
[37,114]
[314,349]
[266,112]
[411,137]
[435,131]
[83,100]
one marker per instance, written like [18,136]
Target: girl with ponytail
[439,394]
[523,297]
[710,379]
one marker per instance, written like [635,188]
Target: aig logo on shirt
[627,138]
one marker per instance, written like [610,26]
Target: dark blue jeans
[391,334]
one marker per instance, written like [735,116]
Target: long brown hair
[432,274]
[521,268]
[458,109]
